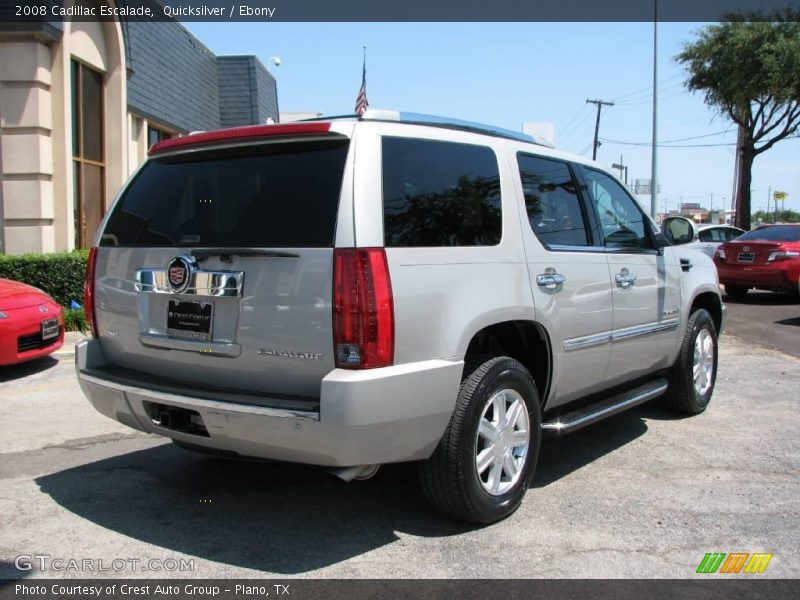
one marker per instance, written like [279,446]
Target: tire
[685,394]
[450,478]
[736,292]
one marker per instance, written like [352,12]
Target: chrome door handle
[550,279]
[625,279]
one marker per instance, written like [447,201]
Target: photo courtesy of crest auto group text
[393,299]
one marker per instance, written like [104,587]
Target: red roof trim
[240,133]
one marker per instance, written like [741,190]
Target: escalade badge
[179,273]
[291,354]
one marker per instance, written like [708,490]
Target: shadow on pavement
[12,372]
[765,298]
[564,454]
[795,322]
[258,515]
[280,517]
[8,570]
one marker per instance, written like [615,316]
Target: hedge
[60,274]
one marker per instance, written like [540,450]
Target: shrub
[75,320]
[60,274]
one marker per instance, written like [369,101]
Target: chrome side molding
[214,284]
[618,335]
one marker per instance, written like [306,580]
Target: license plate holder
[50,329]
[190,320]
[745,257]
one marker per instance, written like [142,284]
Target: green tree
[784,216]
[748,68]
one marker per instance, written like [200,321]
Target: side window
[621,218]
[551,200]
[731,234]
[440,194]
[709,235]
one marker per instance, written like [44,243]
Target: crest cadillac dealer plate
[190,320]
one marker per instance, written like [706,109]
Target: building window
[155,135]
[88,142]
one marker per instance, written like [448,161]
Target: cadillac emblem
[179,271]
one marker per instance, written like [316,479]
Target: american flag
[361,99]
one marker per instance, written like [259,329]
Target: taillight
[721,253]
[363,312]
[782,255]
[88,292]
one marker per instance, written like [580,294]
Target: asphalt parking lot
[644,494]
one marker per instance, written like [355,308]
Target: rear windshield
[275,195]
[778,233]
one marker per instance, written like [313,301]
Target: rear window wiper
[225,254]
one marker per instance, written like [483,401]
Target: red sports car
[767,258]
[31,323]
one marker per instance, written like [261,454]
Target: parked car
[31,323]
[356,291]
[710,237]
[766,258]
[706,238]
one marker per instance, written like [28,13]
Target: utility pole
[599,104]
[653,170]
[623,168]
[711,209]
[769,193]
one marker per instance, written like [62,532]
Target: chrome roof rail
[395,116]
[448,123]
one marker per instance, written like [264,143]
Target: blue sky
[508,73]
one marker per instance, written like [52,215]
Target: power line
[607,141]
[647,97]
[576,126]
[668,144]
[575,116]
[647,89]
[576,136]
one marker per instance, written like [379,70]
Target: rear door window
[274,195]
[440,194]
[552,202]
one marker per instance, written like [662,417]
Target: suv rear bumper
[374,416]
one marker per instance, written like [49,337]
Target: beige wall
[26,150]
[36,187]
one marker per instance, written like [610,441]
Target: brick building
[81,102]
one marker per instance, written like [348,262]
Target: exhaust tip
[357,473]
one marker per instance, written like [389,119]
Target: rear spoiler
[239,133]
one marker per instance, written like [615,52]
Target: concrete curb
[71,338]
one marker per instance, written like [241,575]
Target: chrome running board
[569,422]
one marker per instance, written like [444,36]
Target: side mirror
[679,230]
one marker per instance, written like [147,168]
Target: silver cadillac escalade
[393,287]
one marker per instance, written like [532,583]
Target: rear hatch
[214,267]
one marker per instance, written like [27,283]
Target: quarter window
[551,201]
[440,194]
[621,218]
